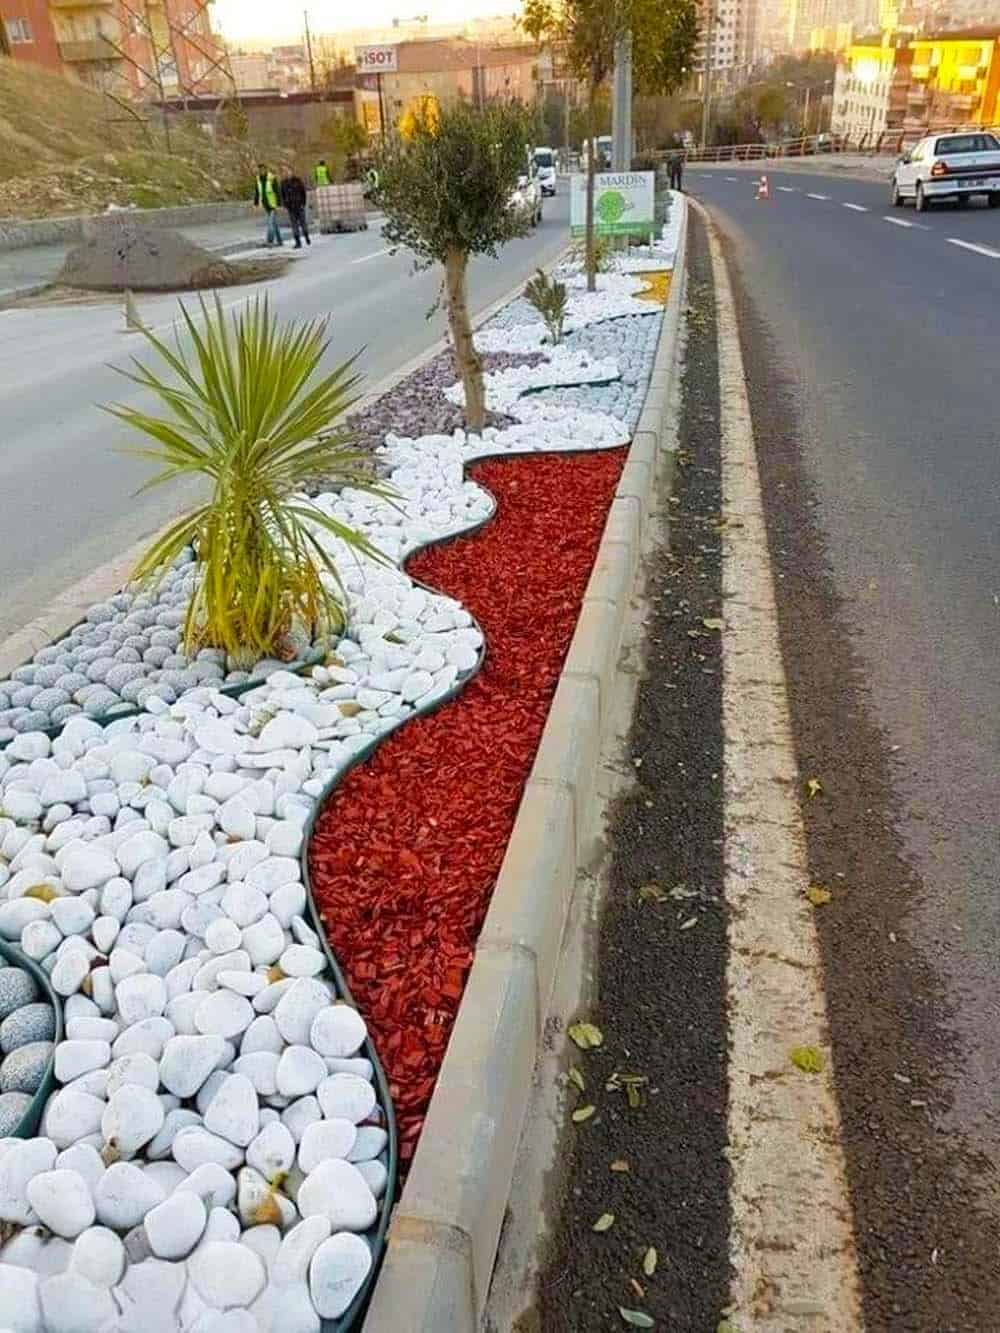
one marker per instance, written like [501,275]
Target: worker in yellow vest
[321,173]
[266,197]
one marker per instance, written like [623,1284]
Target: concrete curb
[444,1235]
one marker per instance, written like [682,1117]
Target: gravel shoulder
[661,946]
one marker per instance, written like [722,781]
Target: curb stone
[445,1231]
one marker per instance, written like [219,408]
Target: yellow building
[955,79]
[869,91]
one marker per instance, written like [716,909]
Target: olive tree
[664,34]
[445,188]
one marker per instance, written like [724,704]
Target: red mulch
[407,850]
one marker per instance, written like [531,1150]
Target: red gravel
[407,850]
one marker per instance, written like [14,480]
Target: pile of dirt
[125,254]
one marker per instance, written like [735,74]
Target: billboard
[376,59]
[623,203]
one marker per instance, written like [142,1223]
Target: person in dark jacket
[294,197]
[675,166]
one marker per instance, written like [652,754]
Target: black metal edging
[15,957]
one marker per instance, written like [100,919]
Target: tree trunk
[591,258]
[467,361]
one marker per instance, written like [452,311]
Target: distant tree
[663,32]
[445,189]
[771,106]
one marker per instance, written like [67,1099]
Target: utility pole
[309,52]
[805,114]
[706,104]
[621,109]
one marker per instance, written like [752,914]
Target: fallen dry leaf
[604,1223]
[807,1058]
[586,1036]
[817,895]
[583,1113]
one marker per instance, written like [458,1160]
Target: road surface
[869,338]
[69,497]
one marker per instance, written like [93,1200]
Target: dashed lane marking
[824,197]
[899,222]
[976,249]
[855,208]
[787,189]
[732,178]
[374,255]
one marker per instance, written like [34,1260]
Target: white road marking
[732,178]
[899,222]
[791,1241]
[787,189]
[976,249]
[374,255]
[824,197]
[856,208]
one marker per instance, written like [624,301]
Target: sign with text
[623,202]
[376,59]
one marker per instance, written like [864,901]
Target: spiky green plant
[550,300]
[248,411]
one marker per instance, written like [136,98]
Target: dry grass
[66,149]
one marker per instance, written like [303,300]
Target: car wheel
[995,201]
[920,202]
[897,198]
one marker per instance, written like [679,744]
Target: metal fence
[888,142]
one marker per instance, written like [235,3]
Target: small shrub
[245,415]
[603,252]
[549,298]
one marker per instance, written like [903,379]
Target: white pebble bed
[214,1158]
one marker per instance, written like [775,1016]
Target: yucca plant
[549,298]
[246,412]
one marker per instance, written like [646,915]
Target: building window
[18,30]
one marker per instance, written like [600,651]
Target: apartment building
[132,48]
[449,68]
[731,37]
[870,89]
[955,79]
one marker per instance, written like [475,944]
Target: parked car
[948,166]
[544,160]
[527,198]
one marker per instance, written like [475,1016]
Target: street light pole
[621,111]
[706,105]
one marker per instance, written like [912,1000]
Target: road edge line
[443,1238]
[791,1237]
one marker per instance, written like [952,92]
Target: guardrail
[887,142]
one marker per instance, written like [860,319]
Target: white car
[949,166]
[544,160]
[527,198]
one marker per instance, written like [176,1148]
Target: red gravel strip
[407,850]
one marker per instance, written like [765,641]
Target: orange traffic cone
[762,190]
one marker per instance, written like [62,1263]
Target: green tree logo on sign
[611,207]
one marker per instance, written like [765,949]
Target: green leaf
[817,895]
[635,1318]
[807,1058]
[583,1113]
[586,1036]
[649,1261]
[714,622]
[652,893]
[604,1223]
[576,1078]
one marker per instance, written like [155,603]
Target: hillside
[67,149]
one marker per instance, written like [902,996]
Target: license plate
[992,184]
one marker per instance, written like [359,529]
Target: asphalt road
[69,502]
[869,340]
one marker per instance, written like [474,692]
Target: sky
[239,19]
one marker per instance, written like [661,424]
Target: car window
[960,143]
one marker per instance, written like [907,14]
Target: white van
[545,169]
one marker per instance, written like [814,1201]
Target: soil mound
[123,253]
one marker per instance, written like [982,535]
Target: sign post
[624,203]
[377,60]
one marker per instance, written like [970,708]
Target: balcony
[96,48]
